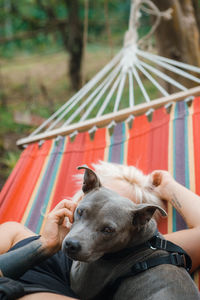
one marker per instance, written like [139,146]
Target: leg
[44,296]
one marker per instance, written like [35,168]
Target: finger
[67,223]
[67,204]
[60,214]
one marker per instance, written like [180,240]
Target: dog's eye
[79,212]
[107,229]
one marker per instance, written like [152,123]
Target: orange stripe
[37,184]
[14,206]
[138,143]
[72,157]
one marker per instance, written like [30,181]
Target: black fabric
[51,275]
[10,289]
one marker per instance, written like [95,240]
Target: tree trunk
[75,43]
[71,33]
[179,38]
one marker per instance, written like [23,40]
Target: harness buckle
[139,267]
[178,259]
[158,243]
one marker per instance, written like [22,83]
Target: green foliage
[34,17]
[10,159]
[8,124]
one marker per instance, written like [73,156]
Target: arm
[15,263]
[188,205]
[11,233]
[185,201]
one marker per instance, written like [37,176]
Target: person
[35,261]
[185,201]
[187,204]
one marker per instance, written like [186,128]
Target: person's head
[127,181]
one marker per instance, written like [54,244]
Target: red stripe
[15,173]
[94,149]
[196,139]
[19,195]
[81,151]
[158,140]
[72,158]
[148,146]
[138,143]
[158,150]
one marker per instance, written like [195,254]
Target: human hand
[160,183]
[56,226]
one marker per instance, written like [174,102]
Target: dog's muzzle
[71,247]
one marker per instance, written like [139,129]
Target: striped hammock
[43,176]
[44,173]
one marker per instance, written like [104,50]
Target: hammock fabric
[44,174]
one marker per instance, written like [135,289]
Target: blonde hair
[128,181]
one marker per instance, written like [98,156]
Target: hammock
[161,134]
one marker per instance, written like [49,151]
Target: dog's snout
[72,246]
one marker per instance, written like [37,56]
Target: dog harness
[176,256]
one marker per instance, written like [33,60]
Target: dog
[105,226]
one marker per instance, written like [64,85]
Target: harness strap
[158,243]
[177,257]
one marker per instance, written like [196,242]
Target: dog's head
[104,221]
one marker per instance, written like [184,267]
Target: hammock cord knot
[131,35]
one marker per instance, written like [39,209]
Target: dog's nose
[72,246]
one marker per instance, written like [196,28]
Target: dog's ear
[144,212]
[90,179]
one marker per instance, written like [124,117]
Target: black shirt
[53,273]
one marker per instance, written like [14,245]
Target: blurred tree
[70,32]
[47,24]
[179,38]
[29,23]
[28,19]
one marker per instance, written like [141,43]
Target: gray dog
[112,243]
